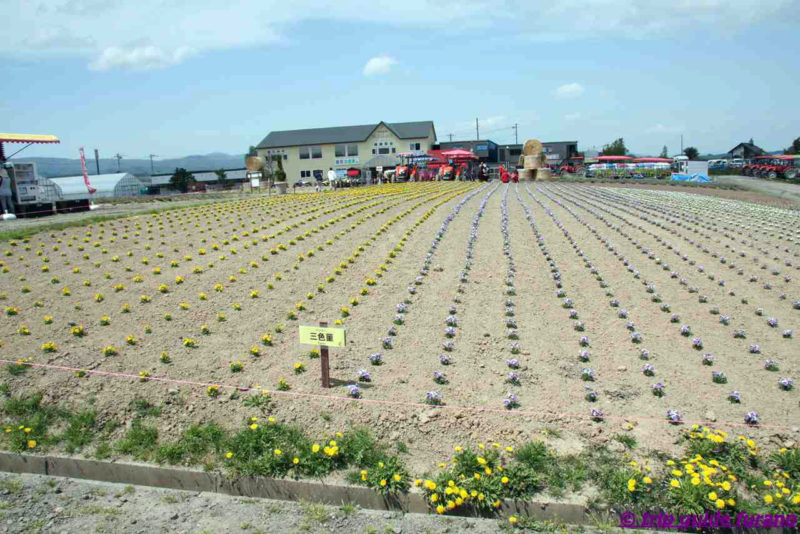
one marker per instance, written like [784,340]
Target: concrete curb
[260,487]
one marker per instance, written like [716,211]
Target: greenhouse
[67,188]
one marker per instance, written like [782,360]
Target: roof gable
[343,134]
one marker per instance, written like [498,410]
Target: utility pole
[477,130]
[451,137]
[119,157]
[151,163]
[681,143]
[97,160]
[516,132]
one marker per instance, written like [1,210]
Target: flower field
[475,313]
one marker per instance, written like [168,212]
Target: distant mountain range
[52,167]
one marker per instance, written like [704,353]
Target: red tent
[353,172]
[614,158]
[652,160]
[458,154]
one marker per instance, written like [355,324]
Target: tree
[691,152]
[222,178]
[794,148]
[280,174]
[181,180]
[617,148]
[664,152]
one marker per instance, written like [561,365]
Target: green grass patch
[139,441]
[193,446]
[144,408]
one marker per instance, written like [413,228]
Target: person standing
[6,200]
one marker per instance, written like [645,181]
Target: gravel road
[778,189]
[36,504]
[39,504]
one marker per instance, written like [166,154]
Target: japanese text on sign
[318,335]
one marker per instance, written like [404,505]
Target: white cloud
[379,65]
[572,116]
[662,129]
[139,58]
[569,90]
[158,33]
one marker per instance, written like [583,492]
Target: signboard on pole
[322,336]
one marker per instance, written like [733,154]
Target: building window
[305,174]
[349,150]
[305,152]
[393,151]
[383,151]
[285,157]
[373,150]
[316,152]
[414,146]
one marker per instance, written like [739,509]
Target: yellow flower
[229,455]
[647,480]
[631,485]
[726,486]
[504,480]
[509,449]
[731,502]
[277,452]
[767,482]
[31,443]
[674,483]
[295,461]
[481,461]
[670,462]
[383,482]
[712,496]
[450,505]
[512,520]
[417,483]
[695,481]
[397,478]
[434,497]
[27,430]
[440,509]
[430,484]
[457,448]
[768,499]
[254,426]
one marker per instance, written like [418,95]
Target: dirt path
[32,503]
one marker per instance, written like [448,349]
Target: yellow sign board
[323,336]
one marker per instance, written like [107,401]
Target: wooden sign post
[323,337]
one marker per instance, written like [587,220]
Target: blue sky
[176,77]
